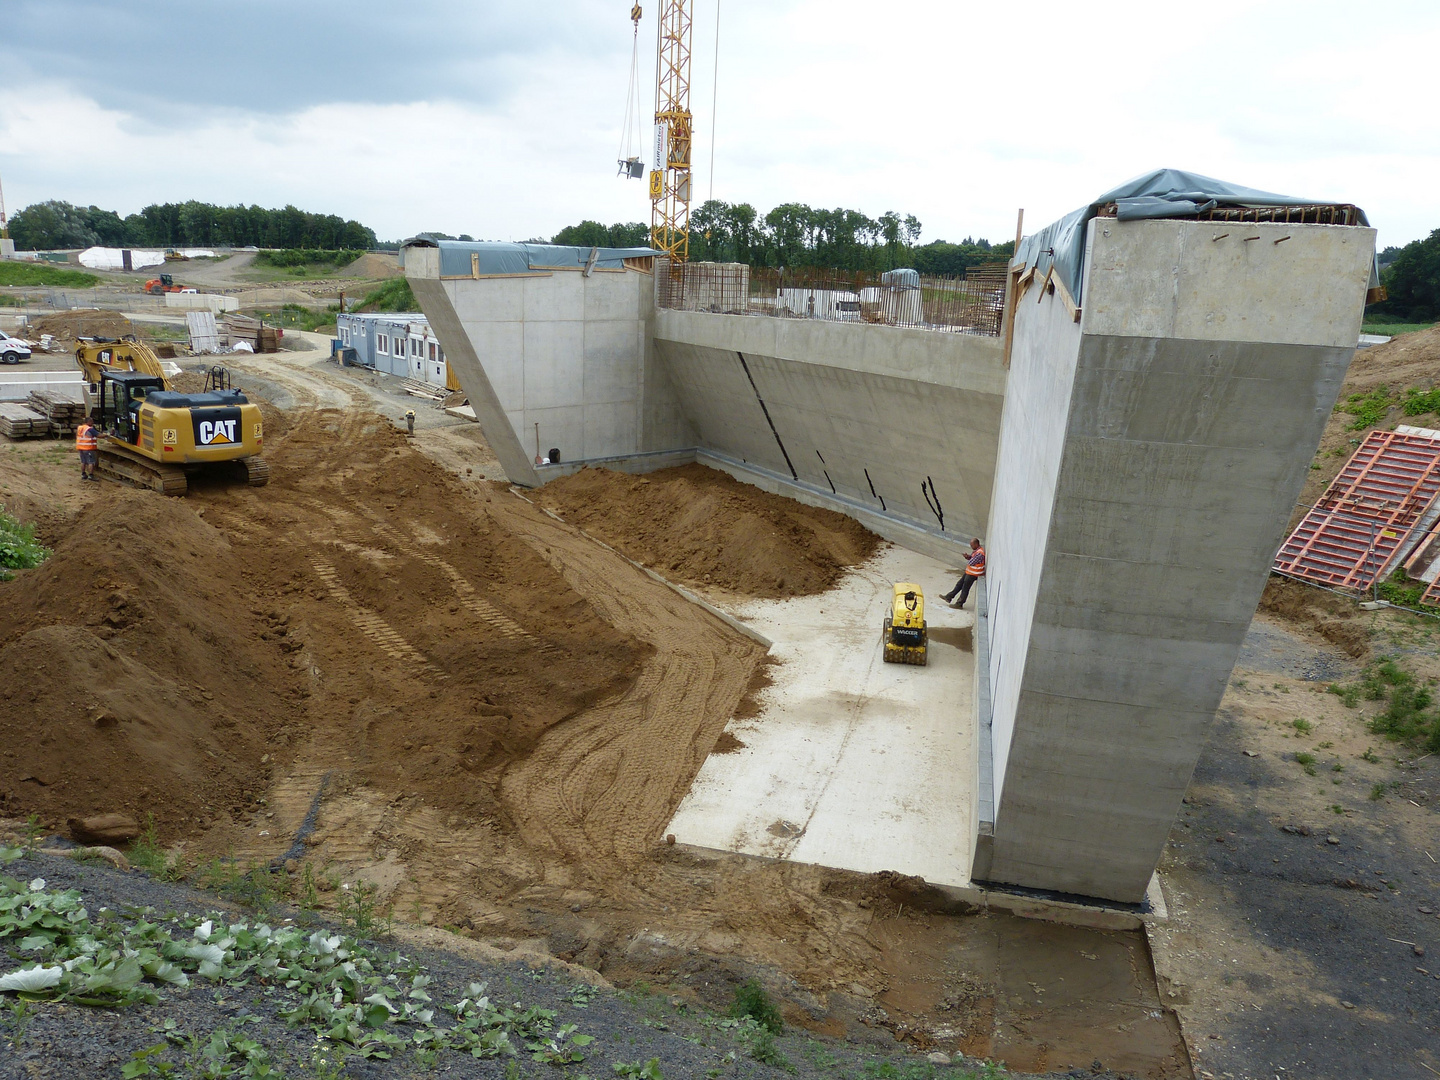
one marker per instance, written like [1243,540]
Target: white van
[13,350]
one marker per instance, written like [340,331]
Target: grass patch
[1407,716]
[1391,329]
[19,550]
[1302,726]
[393,295]
[1368,409]
[1306,762]
[25,273]
[299,317]
[306,257]
[147,853]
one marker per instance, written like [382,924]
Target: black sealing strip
[934,503]
[872,489]
[766,411]
[827,473]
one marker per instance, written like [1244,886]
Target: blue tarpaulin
[500,258]
[1164,193]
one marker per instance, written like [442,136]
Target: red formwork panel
[1367,513]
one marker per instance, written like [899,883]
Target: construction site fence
[971,303]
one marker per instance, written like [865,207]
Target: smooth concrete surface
[852,763]
[1191,398]
[869,413]
[556,359]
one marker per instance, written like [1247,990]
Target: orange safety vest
[975,567]
[85,437]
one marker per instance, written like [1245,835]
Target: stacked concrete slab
[1150,456]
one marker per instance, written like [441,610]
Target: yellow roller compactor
[904,634]
[152,436]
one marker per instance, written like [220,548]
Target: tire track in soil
[598,789]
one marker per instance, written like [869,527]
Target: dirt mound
[1334,618]
[132,676]
[372,267]
[69,325]
[701,526]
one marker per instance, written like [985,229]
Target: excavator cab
[121,395]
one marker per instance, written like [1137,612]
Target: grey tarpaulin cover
[500,258]
[1164,193]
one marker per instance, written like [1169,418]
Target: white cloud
[955,114]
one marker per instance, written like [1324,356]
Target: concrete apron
[852,763]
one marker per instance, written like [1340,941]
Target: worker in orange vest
[974,568]
[87,441]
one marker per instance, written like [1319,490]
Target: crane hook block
[635,14]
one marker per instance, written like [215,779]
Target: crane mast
[674,132]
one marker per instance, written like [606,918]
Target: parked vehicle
[13,349]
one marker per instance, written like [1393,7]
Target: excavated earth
[380,674]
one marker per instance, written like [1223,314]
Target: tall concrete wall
[869,413]
[569,352]
[1158,448]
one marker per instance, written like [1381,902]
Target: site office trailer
[401,345]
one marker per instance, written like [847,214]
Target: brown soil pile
[69,325]
[1410,360]
[373,267]
[1335,618]
[131,675]
[703,527]
[359,594]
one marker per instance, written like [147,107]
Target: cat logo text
[216,432]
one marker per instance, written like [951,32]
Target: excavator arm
[99,355]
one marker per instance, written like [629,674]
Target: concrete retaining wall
[1192,397]
[559,349]
[867,413]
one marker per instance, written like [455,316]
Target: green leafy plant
[1377,792]
[1306,762]
[147,1062]
[1302,726]
[752,1001]
[1349,695]
[1370,408]
[648,1071]
[19,550]
[1370,756]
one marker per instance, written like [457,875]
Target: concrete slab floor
[852,762]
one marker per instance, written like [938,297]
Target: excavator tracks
[166,479]
[257,471]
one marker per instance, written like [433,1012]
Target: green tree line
[796,235]
[57,224]
[1411,276]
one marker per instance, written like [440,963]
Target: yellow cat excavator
[153,437]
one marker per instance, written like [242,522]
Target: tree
[1413,281]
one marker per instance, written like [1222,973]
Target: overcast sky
[503,119]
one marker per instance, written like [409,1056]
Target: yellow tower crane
[674,133]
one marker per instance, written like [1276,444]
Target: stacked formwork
[1369,517]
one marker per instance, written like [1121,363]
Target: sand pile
[134,677]
[69,325]
[372,266]
[701,526]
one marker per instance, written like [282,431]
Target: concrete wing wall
[554,359]
[1209,359]
[867,412]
